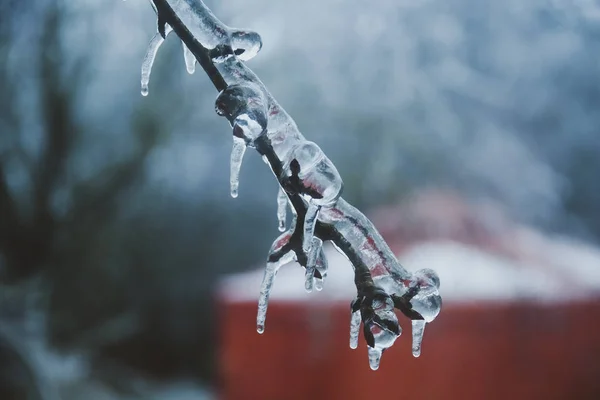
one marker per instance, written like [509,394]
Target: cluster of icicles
[303,172]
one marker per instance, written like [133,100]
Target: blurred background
[467,130]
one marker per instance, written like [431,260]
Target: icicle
[190,60]
[310,220]
[317,246]
[418,327]
[374,358]
[322,268]
[237,155]
[309,279]
[282,202]
[153,47]
[319,284]
[266,287]
[354,329]
[311,264]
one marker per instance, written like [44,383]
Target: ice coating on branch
[190,60]
[417,294]
[149,58]
[367,244]
[211,32]
[282,202]
[319,179]
[426,301]
[201,22]
[383,336]
[384,339]
[308,172]
[313,186]
[245,108]
[380,325]
[419,291]
[245,44]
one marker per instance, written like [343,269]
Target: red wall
[489,351]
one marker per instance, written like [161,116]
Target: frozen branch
[307,178]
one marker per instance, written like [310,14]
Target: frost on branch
[309,183]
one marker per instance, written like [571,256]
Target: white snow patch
[560,270]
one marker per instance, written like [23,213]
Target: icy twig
[309,182]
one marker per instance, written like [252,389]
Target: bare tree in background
[49,220]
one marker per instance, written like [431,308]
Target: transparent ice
[155,43]
[305,171]
[309,183]
[237,155]
[354,328]
[282,253]
[282,202]
[380,328]
[190,60]
[418,327]
[265,289]
[211,32]
[245,108]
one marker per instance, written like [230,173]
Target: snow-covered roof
[466,273]
[475,260]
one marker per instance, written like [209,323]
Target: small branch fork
[309,183]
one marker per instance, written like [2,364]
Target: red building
[520,319]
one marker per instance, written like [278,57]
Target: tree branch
[311,182]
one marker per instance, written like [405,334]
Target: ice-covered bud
[380,325]
[427,278]
[245,44]
[383,336]
[309,173]
[427,300]
[318,178]
[245,107]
